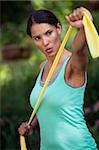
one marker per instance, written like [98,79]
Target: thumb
[29,127]
[67,19]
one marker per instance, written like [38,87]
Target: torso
[61,113]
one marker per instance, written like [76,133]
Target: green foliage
[17,81]
[11,33]
[93,80]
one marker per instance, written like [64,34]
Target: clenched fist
[76,17]
[25,129]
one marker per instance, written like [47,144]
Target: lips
[49,50]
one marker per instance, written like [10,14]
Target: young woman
[60,114]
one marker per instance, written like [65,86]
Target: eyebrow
[35,36]
[44,33]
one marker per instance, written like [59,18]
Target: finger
[72,17]
[25,125]
[21,132]
[22,128]
[75,15]
[67,18]
[77,24]
[79,13]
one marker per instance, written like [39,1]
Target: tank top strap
[41,71]
[62,71]
[66,61]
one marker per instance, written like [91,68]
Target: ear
[59,28]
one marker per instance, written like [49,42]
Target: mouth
[49,50]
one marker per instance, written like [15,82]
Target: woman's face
[46,37]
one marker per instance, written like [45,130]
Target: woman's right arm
[25,129]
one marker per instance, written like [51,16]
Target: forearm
[79,43]
[34,123]
[79,51]
[79,59]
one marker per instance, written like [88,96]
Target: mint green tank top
[60,115]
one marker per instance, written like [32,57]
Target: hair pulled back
[41,16]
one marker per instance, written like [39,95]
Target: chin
[53,54]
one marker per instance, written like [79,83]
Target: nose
[45,41]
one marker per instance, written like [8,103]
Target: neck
[64,54]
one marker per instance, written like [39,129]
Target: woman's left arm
[79,59]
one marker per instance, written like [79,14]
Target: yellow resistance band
[93,43]
[91,36]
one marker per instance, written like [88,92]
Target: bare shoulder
[42,64]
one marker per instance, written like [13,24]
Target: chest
[46,71]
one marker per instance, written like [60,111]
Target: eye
[49,33]
[37,38]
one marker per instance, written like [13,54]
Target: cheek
[55,38]
[38,44]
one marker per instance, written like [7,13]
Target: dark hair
[41,16]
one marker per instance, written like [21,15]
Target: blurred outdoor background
[19,67]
